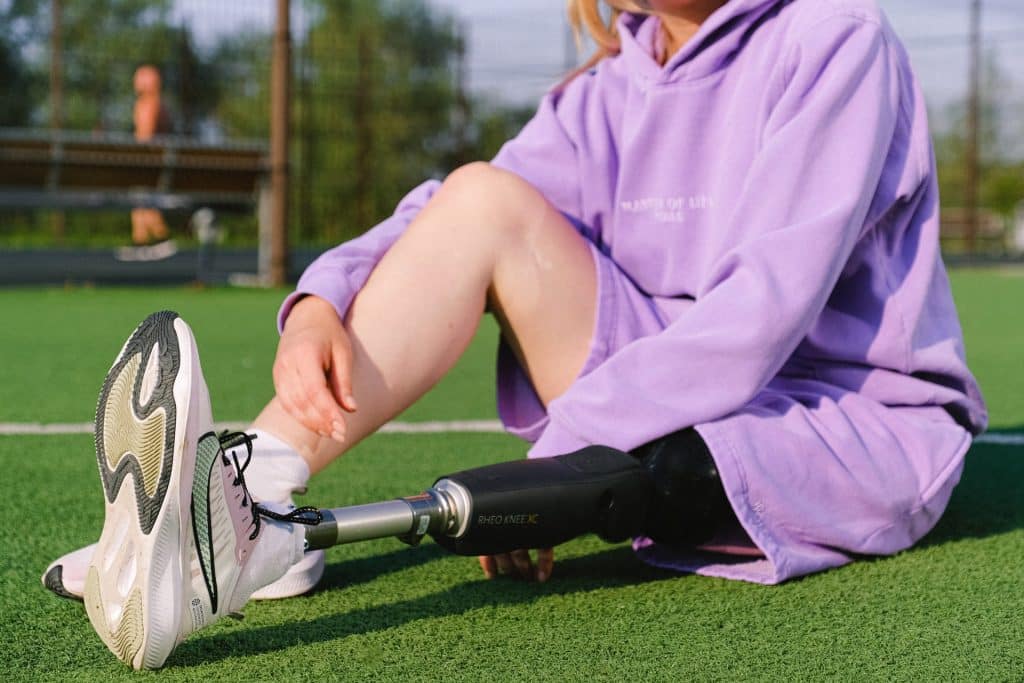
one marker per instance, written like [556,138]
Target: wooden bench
[68,170]
[991,237]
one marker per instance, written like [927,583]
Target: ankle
[276,471]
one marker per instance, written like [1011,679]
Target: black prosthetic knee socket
[689,504]
[668,490]
[543,502]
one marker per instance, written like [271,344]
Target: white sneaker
[65,576]
[182,544]
[158,251]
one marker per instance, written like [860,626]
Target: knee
[476,174]
[480,178]
[495,200]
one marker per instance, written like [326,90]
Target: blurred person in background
[151,117]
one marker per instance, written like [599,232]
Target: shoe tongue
[242,511]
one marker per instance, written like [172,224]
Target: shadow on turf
[987,501]
[609,568]
[365,569]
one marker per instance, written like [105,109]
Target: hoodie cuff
[330,284]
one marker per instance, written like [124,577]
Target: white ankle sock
[276,470]
[279,547]
[278,568]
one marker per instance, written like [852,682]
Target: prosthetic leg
[500,508]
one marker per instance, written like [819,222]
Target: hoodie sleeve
[542,153]
[801,210]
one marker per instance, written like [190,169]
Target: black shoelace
[308,515]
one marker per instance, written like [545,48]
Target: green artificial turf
[949,609]
[67,339]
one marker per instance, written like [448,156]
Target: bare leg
[139,230]
[487,239]
[157,226]
[148,224]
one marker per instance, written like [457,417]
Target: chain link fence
[379,98]
[386,93]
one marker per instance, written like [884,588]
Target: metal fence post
[57,93]
[280,96]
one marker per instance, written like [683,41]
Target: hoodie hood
[710,50]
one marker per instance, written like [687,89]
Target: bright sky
[518,49]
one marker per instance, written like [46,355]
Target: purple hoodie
[775,183]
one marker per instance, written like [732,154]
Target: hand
[313,368]
[518,562]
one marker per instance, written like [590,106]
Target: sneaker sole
[65,577]
[133,588]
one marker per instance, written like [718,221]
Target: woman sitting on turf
[715,246]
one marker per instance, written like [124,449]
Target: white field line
[437,427]
[1001,439]
[482,426]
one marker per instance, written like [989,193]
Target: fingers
[301,384]
[288,391]
[313,369]
[321,403]
[314,402]
[341,376]
[488,565]
[519,564]
[545,563]
[521,561]
[504,563]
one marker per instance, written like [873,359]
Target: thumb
[340,374]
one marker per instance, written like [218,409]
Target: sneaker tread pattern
[134,450]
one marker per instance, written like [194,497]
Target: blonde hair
[586,14]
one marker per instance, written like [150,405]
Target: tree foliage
[104,41]
[1001,170]
[376,103]
[379,107]
[16,86]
